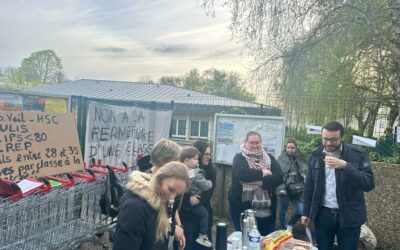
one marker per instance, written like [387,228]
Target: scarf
[264,162]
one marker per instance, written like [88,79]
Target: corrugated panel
[133,91]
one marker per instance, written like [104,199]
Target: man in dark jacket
[337,178]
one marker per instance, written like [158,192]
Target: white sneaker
[203,240]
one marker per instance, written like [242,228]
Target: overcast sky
[119,39]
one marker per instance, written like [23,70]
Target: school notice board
[36,144]
[230,132]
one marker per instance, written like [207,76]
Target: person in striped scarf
[255,176]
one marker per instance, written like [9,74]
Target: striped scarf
[252,158]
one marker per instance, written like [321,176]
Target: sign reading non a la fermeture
[36,144]
[116,134]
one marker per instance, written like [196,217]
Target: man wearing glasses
[337,178]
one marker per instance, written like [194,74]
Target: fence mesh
[367,118]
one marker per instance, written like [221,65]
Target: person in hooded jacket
[294,169]
[143,222]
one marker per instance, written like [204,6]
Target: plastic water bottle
[254,239]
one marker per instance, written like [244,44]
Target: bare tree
[285,37]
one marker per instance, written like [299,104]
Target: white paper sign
[27,185]
[398,135]
[358,140]
[313,130]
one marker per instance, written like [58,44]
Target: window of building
[204,129]
[194,128]
[199,129]
[178,128]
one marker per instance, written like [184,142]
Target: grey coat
[289,169]
[199,183]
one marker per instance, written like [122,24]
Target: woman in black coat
[189,221]
[143,222]
[255,176]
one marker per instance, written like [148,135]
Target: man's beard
[334,149]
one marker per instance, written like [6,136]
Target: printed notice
[35,144]
[225,132]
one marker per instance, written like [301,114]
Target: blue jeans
[284,204]
[201,212]
[327,226]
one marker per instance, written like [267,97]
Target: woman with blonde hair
[143,218]
[165,151]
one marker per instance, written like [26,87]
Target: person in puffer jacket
[143,222]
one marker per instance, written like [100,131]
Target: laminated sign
[36,144]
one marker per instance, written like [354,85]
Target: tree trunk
[372,119]
[393,113]
[361,124]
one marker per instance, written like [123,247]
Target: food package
[294,244]
[275,239]
[283,240]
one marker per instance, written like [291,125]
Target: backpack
[144,163]
[109,201]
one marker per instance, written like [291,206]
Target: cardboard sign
[35,144]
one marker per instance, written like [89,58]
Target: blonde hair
[164,151]
[175,170]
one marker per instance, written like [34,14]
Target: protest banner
[116,134]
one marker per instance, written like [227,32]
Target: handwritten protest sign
[35,144]
[115,134]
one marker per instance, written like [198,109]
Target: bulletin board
[230,132]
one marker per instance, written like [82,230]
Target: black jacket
[189,220]
[242,173]
[351,183]
[136,225]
